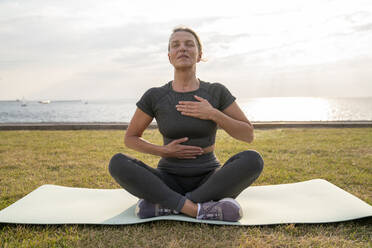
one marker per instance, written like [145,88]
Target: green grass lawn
[29,159]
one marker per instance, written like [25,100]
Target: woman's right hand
[176,150]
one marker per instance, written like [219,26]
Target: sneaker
[226,209]
[145,209]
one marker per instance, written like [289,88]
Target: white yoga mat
[314,201]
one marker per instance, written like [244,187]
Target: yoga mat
[314,201]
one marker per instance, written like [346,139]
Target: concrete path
[124,125]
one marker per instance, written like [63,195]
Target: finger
[191,103]
[189,148]
[177,141]
[199,98]
[181,107]
[186,147]
[187,157]
[191,151]
[186,108]
[189,154]
[192,114]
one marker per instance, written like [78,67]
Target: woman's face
[183,50]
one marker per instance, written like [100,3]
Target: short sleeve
[146,103]
[226,98]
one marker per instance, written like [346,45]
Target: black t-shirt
[160,103]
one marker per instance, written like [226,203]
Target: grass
[29,159]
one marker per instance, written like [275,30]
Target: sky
[75,49]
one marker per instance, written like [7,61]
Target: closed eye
[190,43]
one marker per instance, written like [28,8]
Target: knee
[116,162]
[254,160]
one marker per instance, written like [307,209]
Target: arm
[232,119]
[234,122]
[133,139]
[133,136]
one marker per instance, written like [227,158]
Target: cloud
[363,28]
[37,37]
[5,64]
[92,45]
[356,17]
[144,58]
[348,24]
[223,40]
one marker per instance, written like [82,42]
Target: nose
[182,47]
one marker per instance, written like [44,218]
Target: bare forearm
[142,145]
[232,119]
[240,130]
[173,149]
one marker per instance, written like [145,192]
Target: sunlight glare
[288,109]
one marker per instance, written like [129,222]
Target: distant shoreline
[124,125]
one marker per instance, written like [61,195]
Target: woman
[189,179]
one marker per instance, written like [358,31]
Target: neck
[185,80]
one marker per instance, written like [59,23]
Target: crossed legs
[143,181]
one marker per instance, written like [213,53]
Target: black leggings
[175,180]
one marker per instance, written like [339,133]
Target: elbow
[245,135]
[248,138]
[250,135]
[251,138]
[127,140]
[131,140]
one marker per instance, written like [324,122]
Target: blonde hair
[189,30]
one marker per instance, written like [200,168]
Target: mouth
[183,56]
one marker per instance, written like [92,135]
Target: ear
[200,56]
[169,57]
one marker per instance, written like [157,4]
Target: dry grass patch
[29,159]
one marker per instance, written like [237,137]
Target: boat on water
[45,102]
[23,102]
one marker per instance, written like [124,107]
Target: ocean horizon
[121,110]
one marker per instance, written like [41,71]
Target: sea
[265,109]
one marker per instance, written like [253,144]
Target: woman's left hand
[201,109]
